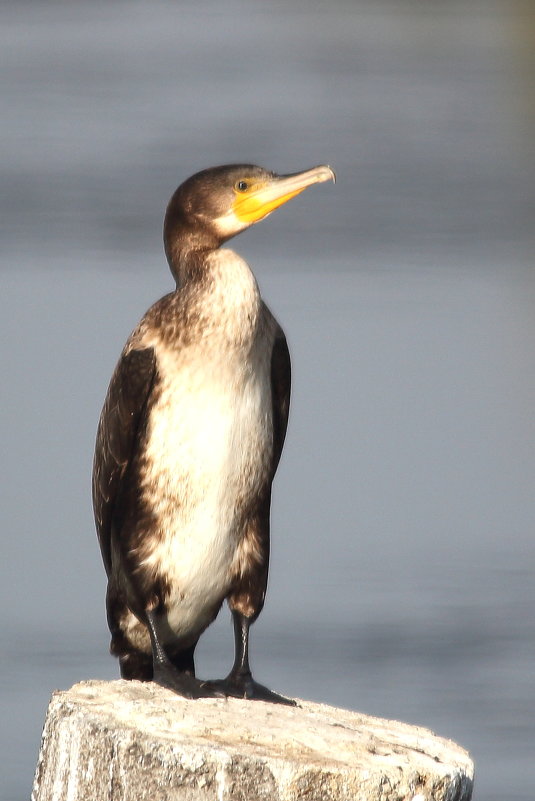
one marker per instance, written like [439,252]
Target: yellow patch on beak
[250,208]
[258,200]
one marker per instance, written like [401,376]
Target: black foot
[246,687]
[183,684]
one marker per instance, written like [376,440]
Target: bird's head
[218,203]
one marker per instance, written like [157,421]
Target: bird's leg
[166,674]
[239,682]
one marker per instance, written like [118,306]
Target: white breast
[209,450]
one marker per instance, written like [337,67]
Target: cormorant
[189,439]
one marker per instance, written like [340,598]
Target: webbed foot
[183,684]
[244,686]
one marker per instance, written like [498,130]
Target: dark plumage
[189,440]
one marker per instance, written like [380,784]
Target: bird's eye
[242,186]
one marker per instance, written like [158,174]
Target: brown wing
[281,373]
[117,436]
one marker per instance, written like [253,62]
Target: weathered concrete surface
[127,741]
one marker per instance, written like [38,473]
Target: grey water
[402,575]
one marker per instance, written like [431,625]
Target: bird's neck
[187,257]
[218,292]
[187,245]
[215,284]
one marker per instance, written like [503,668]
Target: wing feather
[280,387]
[117,436]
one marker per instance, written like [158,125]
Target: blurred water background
[403,556]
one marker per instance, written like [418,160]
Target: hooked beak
[260,201]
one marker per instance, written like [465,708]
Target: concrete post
[127,741]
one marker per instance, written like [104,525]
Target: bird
[189,439]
